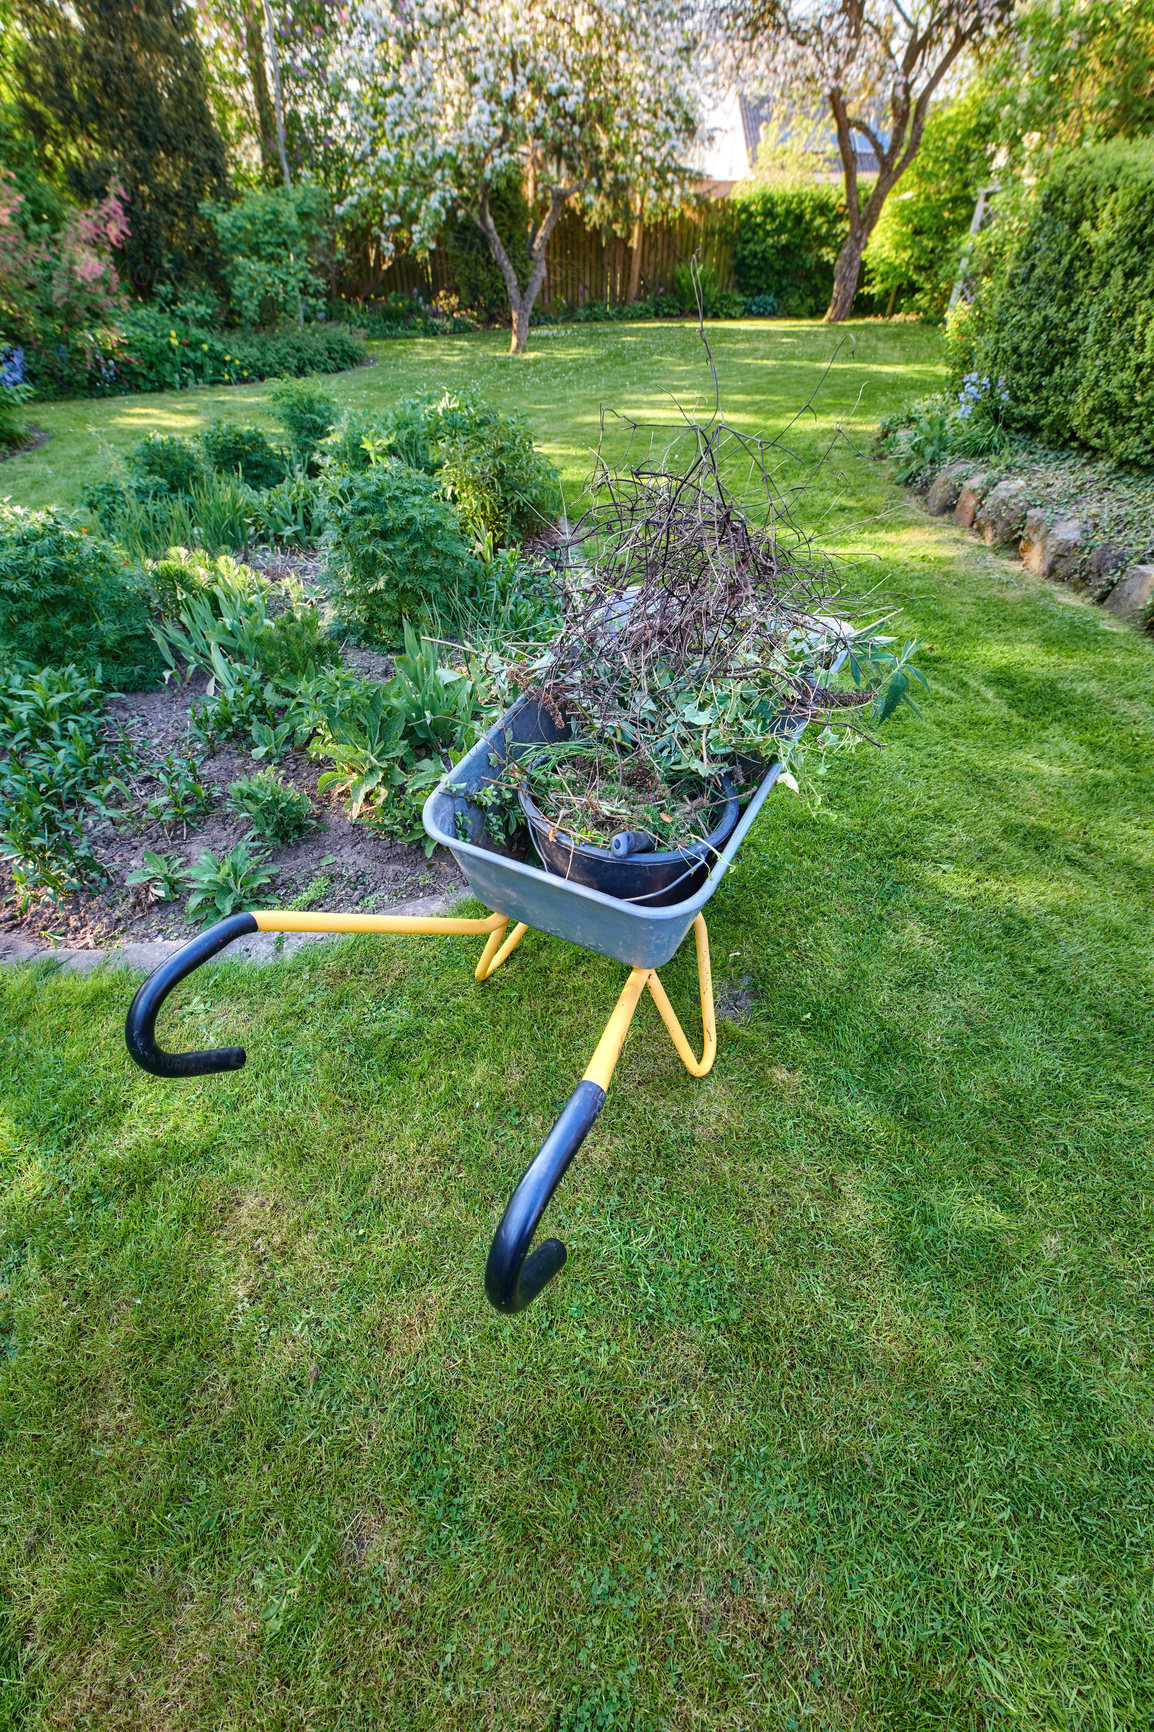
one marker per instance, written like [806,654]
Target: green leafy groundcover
[1068,320]
[838,1415]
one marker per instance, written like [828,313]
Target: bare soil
[337,865]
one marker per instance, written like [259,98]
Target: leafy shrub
[760,306]
[166,463]
[272,239]
[932,430]
[278,812]
[347,448]
[108,502]
[786,243]
[308,413]
[1068,319]
[68,596]
[180,573]
[292,646]
[293,354]
[292,513]
[394,549]
[716,302]
[226,885]
[149,349]
[245,451]
[360,730]
[57,764]
[501,485]
[407,432]
[435,704]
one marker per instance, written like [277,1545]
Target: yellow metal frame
[498,947]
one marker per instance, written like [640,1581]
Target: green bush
[293,354]
[221,887]
[13,421]
[245,451]
[395,549]
[68,596]
[166,463]
[309,415]
[407,432]
[279,814]
[716,302]
[502,486]
[348,446]
[786,243]
[1068,318]
[272,240]
[151,349]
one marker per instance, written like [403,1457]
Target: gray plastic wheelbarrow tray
[639,937]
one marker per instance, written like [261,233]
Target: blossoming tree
[592,104]
[875,66]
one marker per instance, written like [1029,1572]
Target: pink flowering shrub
[61,301]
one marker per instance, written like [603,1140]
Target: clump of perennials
[700,626]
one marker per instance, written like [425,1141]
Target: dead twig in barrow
[698,612]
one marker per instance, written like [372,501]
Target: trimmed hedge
[786,243]
[1069,319]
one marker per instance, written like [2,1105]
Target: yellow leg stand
[694,1066]
[486,967]
[604,1060]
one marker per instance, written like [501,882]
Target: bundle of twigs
[698,616]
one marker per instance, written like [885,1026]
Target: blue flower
[12,366]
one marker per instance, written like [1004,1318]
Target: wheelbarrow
[525,896]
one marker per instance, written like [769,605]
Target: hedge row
[1068,320]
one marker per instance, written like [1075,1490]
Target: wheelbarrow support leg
[514,1275]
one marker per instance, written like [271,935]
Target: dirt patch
[337,865]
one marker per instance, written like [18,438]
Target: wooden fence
[583,264]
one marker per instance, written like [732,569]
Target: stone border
[998,509]
[260,947]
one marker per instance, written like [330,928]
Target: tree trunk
[845,277]
[519,340]
[522,301]
[274,65]
[258,77]
[635,258]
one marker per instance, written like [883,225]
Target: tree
[875,66]
[592,106]
[114,91]
[1072,71]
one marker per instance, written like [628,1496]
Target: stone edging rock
[261,947]
[999,510]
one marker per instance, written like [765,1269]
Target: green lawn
[839,1415]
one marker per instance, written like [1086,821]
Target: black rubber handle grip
[513,1275]
[140,1024]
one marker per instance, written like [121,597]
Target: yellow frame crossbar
[498,947]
